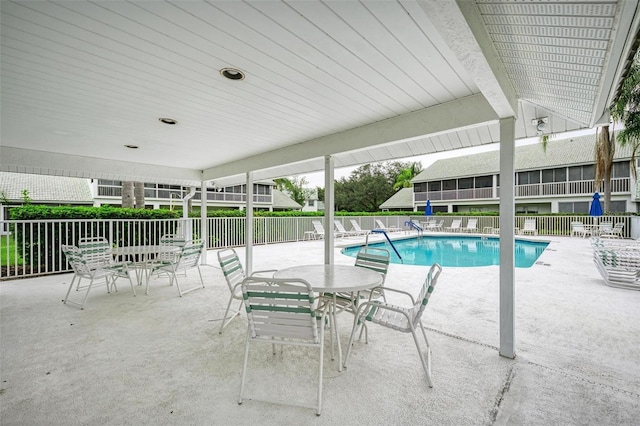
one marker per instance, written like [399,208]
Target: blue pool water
[456,251]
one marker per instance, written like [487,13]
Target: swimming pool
[456,251]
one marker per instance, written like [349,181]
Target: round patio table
[334,279]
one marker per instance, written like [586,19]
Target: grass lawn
[7,252]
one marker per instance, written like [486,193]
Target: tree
[127,195]
[626,110]
[367,187]
[604,152]
[294,188]
[403,180]
[138,191]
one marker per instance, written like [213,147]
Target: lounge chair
[320,232]
[577,228]
[455,226]
[472,226]
[529,227]
[382,226]
[341,230]
[406,319]
[618,267]
[355,227]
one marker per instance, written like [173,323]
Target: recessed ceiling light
[168,121]
[232,73]
[131,146]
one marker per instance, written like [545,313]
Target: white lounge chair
[472,226]
[382,226]
[406,319]
[618,267]
[341,230]
[455,226]
[529,227]
[355,227]
[319,231]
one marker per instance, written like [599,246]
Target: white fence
[33,247]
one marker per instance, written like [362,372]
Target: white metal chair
[188,257]
[613,232]
[577,228]
[283,312]
[405,319]
[233,274]
[86,267]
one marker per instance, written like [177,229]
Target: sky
[317,178]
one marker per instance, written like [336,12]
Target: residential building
[55,190]
[401,200]
[559,179]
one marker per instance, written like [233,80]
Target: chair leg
[70,287]
[356,321]
[86,296]
[426,363]
[226,322]
[320,371]
[244,368]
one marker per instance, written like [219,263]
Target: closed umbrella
[596,206]
[595,210]
[427,209]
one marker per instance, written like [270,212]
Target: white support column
[329,206]
[507,237]
[248,229]
[203,221]
[494,188]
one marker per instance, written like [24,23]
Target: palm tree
[403,180]
[605,149]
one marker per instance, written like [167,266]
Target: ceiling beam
[18,160]
[462,113]
[462,29]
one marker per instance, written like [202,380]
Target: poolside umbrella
[427,209]
[596,207]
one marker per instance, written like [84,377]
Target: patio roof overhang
[361,81]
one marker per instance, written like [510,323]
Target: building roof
[565,152]
[402,199]
[283,201]
[43,188]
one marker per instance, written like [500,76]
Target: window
[528,178]
[435,186]
[312,203]
[420,187]
[554,175]
[465,183]
[449,185]
[484,182]
[621,170]
[618,206]
[576,207]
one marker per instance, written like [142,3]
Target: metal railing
[582,187]
[33,247]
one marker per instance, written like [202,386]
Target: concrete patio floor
[159,359]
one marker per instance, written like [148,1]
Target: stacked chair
[618,262]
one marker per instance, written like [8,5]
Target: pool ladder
[382,231]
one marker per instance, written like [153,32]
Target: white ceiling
[360,80]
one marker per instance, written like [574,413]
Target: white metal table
[334,279]
[148,253]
